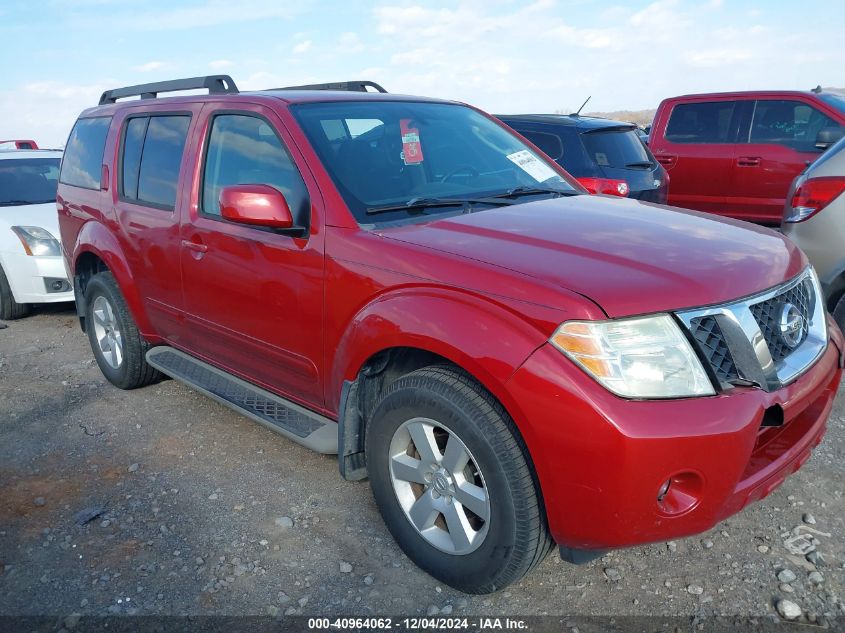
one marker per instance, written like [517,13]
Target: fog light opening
[663,490]
[773,416]
[680,493]
[56,284]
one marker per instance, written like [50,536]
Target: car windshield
[28,180]
[617,147]
[392,160]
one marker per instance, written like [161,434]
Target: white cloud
[509,57]
[220,64]
[150,67]
[715,57]
[302,47]
[204,14]
[46,110]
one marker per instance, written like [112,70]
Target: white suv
[31,266]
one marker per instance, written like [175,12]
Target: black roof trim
[215,84]
[348,86]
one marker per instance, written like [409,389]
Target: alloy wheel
[439,486]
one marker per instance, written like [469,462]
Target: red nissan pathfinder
[404,282]
[736,153]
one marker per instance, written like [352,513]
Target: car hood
[628,256]
[43,215]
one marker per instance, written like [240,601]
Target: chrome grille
[768,339]
[707,333]
[768,315]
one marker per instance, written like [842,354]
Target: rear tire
[474,518]
[839,313]
[117,345]
[9,308]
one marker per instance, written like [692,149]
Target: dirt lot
[205,512]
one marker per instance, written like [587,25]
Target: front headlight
[37,241]
[643,357]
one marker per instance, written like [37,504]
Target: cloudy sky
[505,56]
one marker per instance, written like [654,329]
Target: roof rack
[352,86]
[216,84]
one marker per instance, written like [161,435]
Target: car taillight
[605,185]
[812,196]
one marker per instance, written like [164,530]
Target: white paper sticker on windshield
[532,165]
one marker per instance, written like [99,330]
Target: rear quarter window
[707,122]
[82,164]
[550,144]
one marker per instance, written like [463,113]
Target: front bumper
[27,275]
[601,460]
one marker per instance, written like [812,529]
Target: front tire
[9,308]
[839,313]
[117,345]
[453,481]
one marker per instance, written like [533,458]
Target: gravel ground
[160,501]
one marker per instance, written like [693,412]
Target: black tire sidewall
[470,572]
[9,308]
[839,313]
[98,286]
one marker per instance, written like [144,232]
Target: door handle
[667,160]
[194,246]
[748,161]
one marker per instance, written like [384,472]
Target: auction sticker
[411,148]
[532,165]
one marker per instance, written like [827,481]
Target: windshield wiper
[428,203]
[11,203]
[528,191]
[642,163]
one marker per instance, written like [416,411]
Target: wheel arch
[435,329]
[97,250]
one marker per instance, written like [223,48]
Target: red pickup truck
[736,153]
[407,283]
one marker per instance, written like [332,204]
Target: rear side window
[82,165]
[245,150]
[550,144]
[786,122]
[616,148]
[151,157]
[708,122]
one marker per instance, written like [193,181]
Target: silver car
[814,218]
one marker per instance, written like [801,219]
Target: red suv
[736,153]
[407,283]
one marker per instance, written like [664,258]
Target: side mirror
[256,205]
[827,136]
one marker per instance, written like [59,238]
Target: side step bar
[305,427]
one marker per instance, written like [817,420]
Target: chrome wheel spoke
[474,498]
[117,349]
[108,336]
[109,313]
[455,457]
[99,317]
[406,468]
[460,531]
[422,513]
[422,436]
